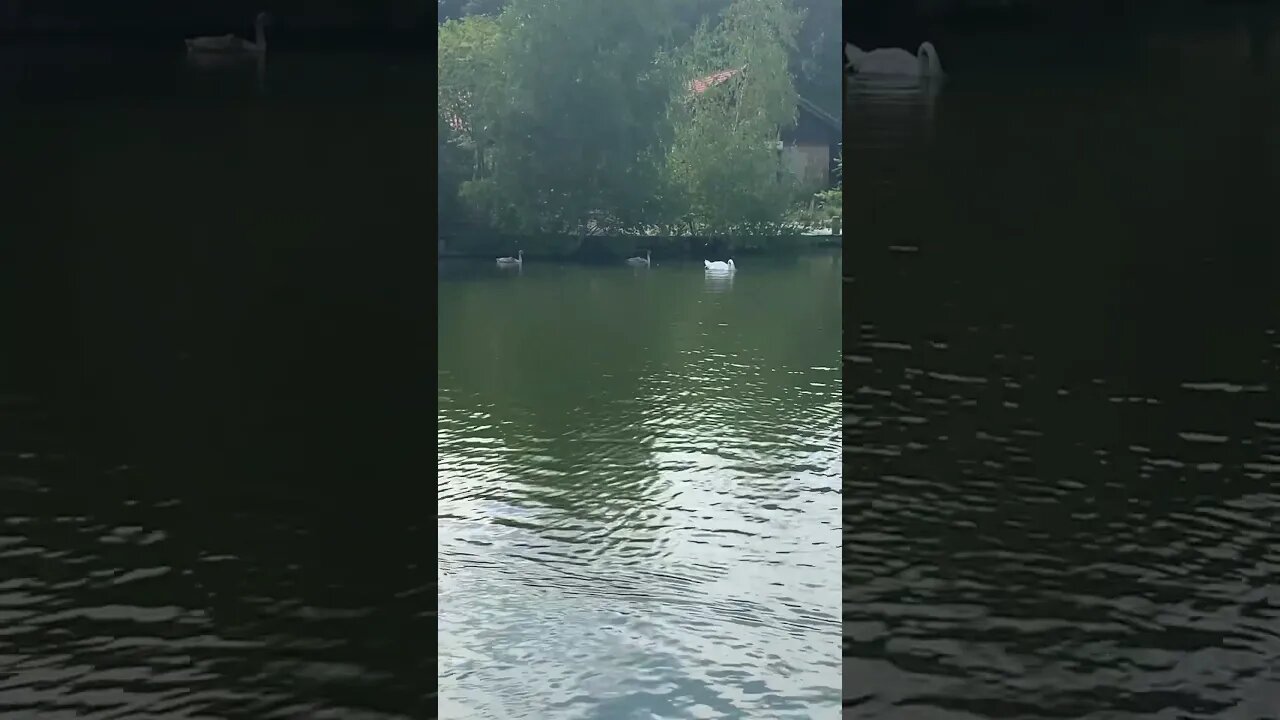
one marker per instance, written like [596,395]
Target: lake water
[210,419]
[1062,383]
[639,491]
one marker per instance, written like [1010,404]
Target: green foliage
[575,115]
[723,161]
[469,102]
[583,108]
[818,60]
[470,65]
[825,208]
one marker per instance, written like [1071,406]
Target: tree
[723,158]
[574,116]
[584,104]
[469,102]
[456,9]
[818,59]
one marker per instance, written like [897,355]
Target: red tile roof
[700,85]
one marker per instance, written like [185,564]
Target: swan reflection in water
[891,109]
[718,283]
[207,61]
[892,91]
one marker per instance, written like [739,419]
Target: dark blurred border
[338,24]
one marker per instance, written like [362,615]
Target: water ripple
[659,541]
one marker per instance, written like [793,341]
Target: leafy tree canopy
[577,115]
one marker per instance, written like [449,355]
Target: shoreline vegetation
[615,248]
[670,125]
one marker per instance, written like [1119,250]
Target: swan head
[263,18]
[929,64]
[731,265]
[852,56]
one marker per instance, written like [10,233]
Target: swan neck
[929,59]
[260,33]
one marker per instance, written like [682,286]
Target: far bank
[617,247]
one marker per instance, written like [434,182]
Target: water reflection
[717,282]
[1061,442]
[204,507]
[903,89]
[88,73]
[891,111]
[206,62]
[638,493]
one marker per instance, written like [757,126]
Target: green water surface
[639,487]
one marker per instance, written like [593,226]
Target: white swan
[518,260]
[232,45]
[720,267]
[644,261]
[893,61]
